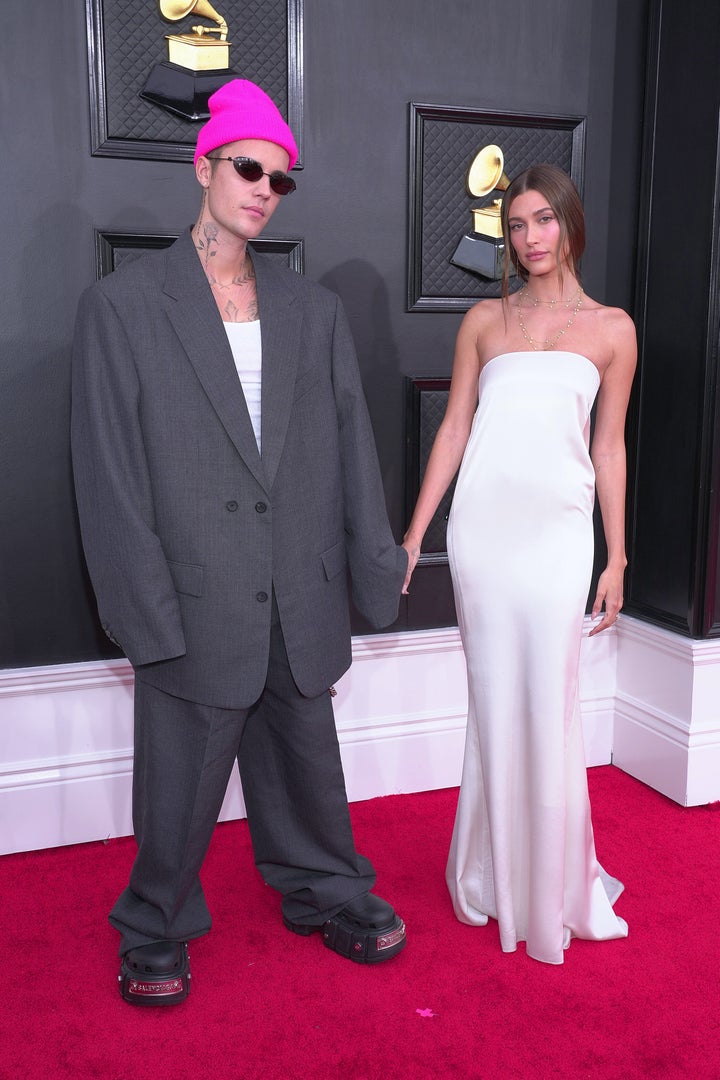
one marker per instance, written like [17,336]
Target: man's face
[238,206]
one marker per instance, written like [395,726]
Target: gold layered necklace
[548,343]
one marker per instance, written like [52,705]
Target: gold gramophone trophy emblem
[481,250]
[198,62]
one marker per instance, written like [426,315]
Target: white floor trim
[667,712]
[649,702]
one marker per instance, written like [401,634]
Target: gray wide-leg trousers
[287,750]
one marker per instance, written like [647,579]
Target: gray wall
[364,62]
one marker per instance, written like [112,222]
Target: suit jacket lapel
[194,314]
[281,324]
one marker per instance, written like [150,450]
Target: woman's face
[535,233]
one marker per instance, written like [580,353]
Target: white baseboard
[667,712]
[647,697]
[66,775]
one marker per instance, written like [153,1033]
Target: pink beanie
[241,110]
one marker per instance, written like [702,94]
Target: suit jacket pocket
[187,578]
[306,382]
[334,560]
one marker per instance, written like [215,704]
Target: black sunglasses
[252,170]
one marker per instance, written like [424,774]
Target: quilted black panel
[426,404]
[113,249]
[432,410]
[444,148]
[127,39]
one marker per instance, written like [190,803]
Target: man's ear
[203,171]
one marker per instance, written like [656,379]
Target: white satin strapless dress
[520,543]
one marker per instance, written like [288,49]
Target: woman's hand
[413,554]
[610,596]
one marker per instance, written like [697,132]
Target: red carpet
[267,1005]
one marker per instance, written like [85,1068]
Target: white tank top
[246,344]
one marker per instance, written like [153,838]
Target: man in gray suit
[227,480]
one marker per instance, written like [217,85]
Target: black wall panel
[672,579]
[363,64]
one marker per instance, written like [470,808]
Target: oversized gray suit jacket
[186,528]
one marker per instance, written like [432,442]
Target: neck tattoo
[244,276]
[547,343]
[207,243]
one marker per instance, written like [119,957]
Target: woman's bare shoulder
[612,332]
[484,314]
[611,317]
[613,323]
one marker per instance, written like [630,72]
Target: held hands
[413,553]
[610,595]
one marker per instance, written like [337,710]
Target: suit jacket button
[261,507]
[232,505]
[261,597]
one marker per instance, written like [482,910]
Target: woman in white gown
[526,373]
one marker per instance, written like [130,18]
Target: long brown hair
[556,186]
